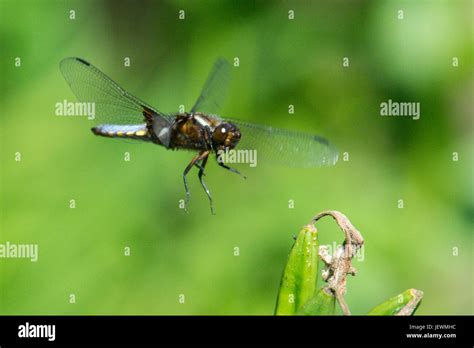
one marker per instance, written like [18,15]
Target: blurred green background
[134,204]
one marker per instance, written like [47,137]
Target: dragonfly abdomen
[138,131]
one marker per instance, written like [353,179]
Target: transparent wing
[284,147]
[215,89]
[112,103]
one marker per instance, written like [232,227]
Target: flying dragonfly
[201,130]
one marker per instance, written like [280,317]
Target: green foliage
[299,277]
[322,303]
[397,304]
[298,294]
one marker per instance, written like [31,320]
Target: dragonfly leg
[233,170]
[199,165]
[203,184]
[186,171]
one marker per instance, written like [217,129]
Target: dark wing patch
[83,61]
[148,114]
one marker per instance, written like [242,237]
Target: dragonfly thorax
[196,131]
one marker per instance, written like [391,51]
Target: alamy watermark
[25,251]
[28,330]
[67,108]
[339,249]
[238,156]
[392,108]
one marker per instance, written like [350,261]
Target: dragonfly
[201,130]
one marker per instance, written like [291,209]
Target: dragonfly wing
[215,89]
[284,147]
[112,103]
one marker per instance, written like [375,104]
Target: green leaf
[298,282]
[323,303]
[405,303]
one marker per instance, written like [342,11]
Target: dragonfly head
[226,135]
